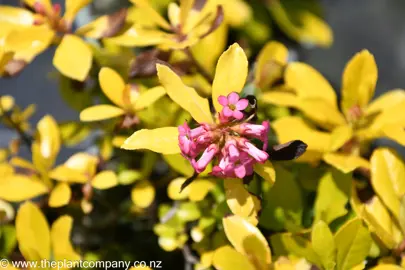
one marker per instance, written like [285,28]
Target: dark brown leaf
[115,22]
[219,18]
[288,151]
[14,67]
[144,65]
[188,181]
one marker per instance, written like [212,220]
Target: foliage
[207,141]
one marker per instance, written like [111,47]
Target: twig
[189,258]
[23,136]
[198,66]
[170,213]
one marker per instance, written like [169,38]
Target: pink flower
[255,131]
[185,142]
[253,151]
[233,106]
[205,158]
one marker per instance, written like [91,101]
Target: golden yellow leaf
[105,180]
[388,178]
[273,53]
[73,57]
[33,233]
[149,97]
[173,13]
[60,195]
[395,133]
[100,112]
[7,102]
[387,267]
[65,174]
[60,238]
[309,83]
[183,95]
[153,15]
[247,239]
[143,194]
[358,81]
[83,162]
[324,244]
[112,85]
[346,163]
[230,74]
[226,258]
[340,136]
[199,188]
[136,36]
[17,188]
[179,164]
[22,163]
[72,7]
[173,190]
[15,15]
[6,170]
[281,98]
[161,140]
[385,101]
[239,200]
[49,139]
[266,171]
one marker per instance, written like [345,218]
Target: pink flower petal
[238,115]
[227,111]
[223,100]
[242,104]
[240,171]
[233,98]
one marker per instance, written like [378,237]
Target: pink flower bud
[253,151]
[205,158]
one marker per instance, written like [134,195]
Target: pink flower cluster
[228,143]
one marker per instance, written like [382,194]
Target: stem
[23,136]
[198,66]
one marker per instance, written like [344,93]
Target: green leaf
[188,211]
[8,239]
[324,244]
[333,194]
[353,242]
[266,171]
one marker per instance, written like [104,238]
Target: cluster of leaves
[134,76]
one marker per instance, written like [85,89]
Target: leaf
[239,200]
[388,178]
[266,171]
[340,135]
[402,215]
[149,97]
[112,85]
[226,258]
[65,174]
[358,81]
[72,7]
[353,242]
[387,267]
[100,112]
[105,180]
[33,233]
[183,95]
[16,15]
[153,15]
[288,151]
[385,101]
[247,239]
[281,98]
[161,140]
[274,54]
[346,162]
[173,190]
[283,203]
[178,163]
[333,194]
[188,211]
[60,195]
[6,101]
[323,244]
[143,194]
[18,188]
[73,57]
[230,74]
[200,188]
[62,249]
[49,139]
[309,83]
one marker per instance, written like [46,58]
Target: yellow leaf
[226,258]
[60,238]
[65,174]
[18,188]
[143,194]
[324,244]
[239,200]
[344,162]
[391,116]
[353,242]
[293,128]
[281,98]
[273,55]
[105,180]
[100,112]
[33,233]
[386,101]
[72,7]
[22,163]
[179,164]
[230,74]
[183,95]
[266,171]
[112,85]
[358,81]
[173,190]
[16,15]
[161,140]
[247,239]
[340,136]
[395,133]
[83,162]
[387,267]
[149,97]
[199,188]
[49,139]
[73,57]
[6,101]
[60,195]
[136,36]
[6,170]
[309,83]
[153,15]
[388,178]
